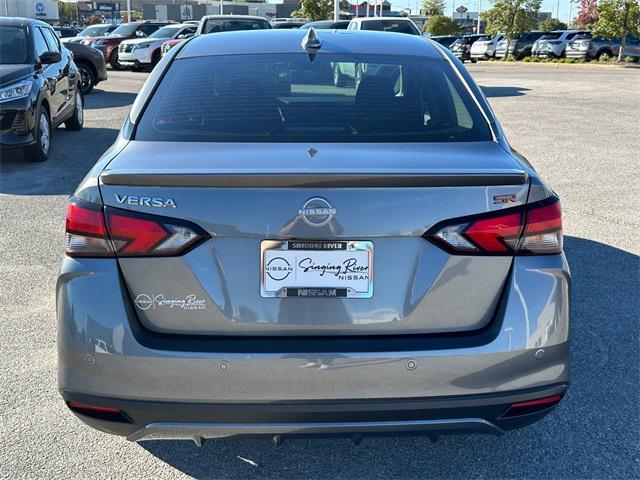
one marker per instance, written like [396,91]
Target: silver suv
[586,47]
[263,252]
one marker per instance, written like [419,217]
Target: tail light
[529,230]
[96,232]
[532,406]
[101,413]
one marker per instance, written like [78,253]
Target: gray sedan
[264,252]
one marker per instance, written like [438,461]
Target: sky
[472,5]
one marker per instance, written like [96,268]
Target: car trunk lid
[376,199]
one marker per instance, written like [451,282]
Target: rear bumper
[136,57]
[149,420]
[479,54]
[104,353]
[576,53]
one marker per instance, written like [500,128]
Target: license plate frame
[315,285]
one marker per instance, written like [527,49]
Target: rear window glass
[214,25]
[390,26]
[298,98]
[550,36]
[583,36]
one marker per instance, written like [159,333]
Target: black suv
[39,87]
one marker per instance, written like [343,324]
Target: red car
[108,44]
[169,44]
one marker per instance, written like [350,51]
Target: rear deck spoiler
[314,180]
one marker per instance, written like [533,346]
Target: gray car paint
[527,297]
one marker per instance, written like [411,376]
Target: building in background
[46,10]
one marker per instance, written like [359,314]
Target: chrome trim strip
[188,431]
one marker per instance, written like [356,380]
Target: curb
[561,65]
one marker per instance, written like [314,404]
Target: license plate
[316,268]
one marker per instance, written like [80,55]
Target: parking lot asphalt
[579,127]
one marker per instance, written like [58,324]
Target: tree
[441,25]
[67,12]
[588,14]
[512,17]
[551,24]
[314,10]
[93,20]
[617,19]
[433,7]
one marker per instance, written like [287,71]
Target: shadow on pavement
[100,99]
[72,155]
[592,434]
[504,91]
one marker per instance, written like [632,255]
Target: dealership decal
[189,302]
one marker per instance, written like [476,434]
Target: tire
[39,151]
[88,78]
[474,60]
[339,78]
[76,120]
[604,54]
[113,60]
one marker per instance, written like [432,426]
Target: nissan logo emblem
[317,212]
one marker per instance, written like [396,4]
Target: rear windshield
[166,32]
[322,98]
[214,25]
[95,31]
[125,29]
[397,26]
[531,36]
[13,45]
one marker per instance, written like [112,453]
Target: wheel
[474,60]
[114,61]
[88,78]
[604,55]
[339,78]
[76,120]
[39,151]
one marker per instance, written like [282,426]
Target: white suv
[553,44]
[145,52]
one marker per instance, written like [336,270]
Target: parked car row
[40,87]
[562,43]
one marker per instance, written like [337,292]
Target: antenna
[311,41]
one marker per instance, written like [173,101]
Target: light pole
[479,6]
[336,10]
[571,2]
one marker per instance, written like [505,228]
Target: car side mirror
[140,34]
[48,58]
